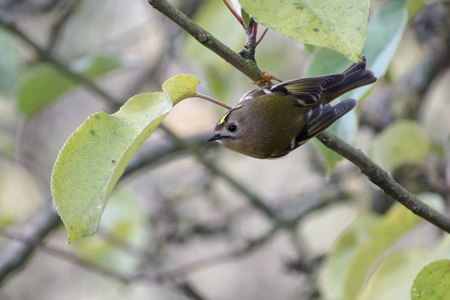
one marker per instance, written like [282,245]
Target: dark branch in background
[250,246]
[258,203]
[370,169]
[60,65]
[17,253]
[32,242]
[43,222]
[66,12]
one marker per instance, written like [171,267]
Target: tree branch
[246,66]
[375,174]
[383,180]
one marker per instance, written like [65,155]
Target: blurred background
[174,228]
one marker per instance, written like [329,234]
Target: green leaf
[433,282]
[401,143]
[339,24]
[44,84]
[95,156]
[331,278]
[394,224]
[9,63]
[245,17]
[393,278]
[359,256]
[385,29]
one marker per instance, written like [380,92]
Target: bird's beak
[215,138]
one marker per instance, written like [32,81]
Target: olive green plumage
[271,122]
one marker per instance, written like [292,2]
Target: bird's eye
[232,128]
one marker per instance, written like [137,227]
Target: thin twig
[246,66]
[246,249]
[32,242]
[67,256]
[262,36]
[189,268]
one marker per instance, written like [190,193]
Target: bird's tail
[356,75]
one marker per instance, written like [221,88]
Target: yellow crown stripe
[223,119]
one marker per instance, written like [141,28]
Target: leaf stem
[235,14]
[262,36]
[210,99]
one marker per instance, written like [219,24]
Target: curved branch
[246,66]
[375,174]
[383,180]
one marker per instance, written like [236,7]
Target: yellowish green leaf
[394,224]
[245,17]
[340,25]
[394,276]
[433,282]
[95,156]
[332,277]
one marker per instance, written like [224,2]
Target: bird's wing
[321,117]
[307,91]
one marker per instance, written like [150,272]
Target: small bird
[271,122]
